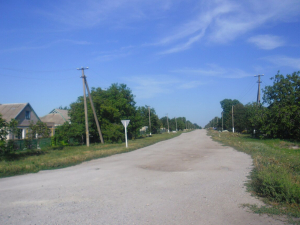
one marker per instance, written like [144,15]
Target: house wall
[23,122]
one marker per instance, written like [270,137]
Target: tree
[172,124]
[66,132]
[3,134]
[164,122]
[38,129]
[3,129]
[239,115]
[255,115]
[64,108]
[226,105]
[196,126]
[181,123]
[283,99]
[215,122]
[111,106]
[13,127]
[155,122]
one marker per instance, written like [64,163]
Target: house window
[27,115]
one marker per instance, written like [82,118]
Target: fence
[19,145]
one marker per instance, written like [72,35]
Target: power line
[248,90]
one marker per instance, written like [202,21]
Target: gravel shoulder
[185,180]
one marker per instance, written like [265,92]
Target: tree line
[113,105]
[278,116]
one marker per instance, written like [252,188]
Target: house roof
[57,116]
[11,111]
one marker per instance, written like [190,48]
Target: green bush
[276,183]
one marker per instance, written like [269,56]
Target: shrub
[276,183]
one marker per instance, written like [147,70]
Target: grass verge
[276,173]
[34,161]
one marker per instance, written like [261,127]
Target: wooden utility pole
[168,123]
[87,133]
[93,108]
[222,121]
[85,86]
[176,123]
[232,121]
[149,120]
[258,91]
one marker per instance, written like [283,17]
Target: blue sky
[180,57]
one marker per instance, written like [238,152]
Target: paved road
[186,180]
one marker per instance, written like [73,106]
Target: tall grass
[276,174]
[45,159]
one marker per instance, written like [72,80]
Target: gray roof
[57,116]
[11,111]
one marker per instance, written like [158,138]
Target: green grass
[46,159]
[276,173]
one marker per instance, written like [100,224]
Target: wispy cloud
[194,30]
[91,13]
[184,46]
[145,87]
[267,42]
[221,21]
[280,61]
[215,71]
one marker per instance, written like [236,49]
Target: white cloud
[280,61]
[90,13]
[267,42]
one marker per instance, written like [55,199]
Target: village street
[185,180]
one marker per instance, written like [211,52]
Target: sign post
[125,124]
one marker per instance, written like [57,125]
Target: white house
[23,113]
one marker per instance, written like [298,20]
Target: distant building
[23,113]
[144,129]
[57,116]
